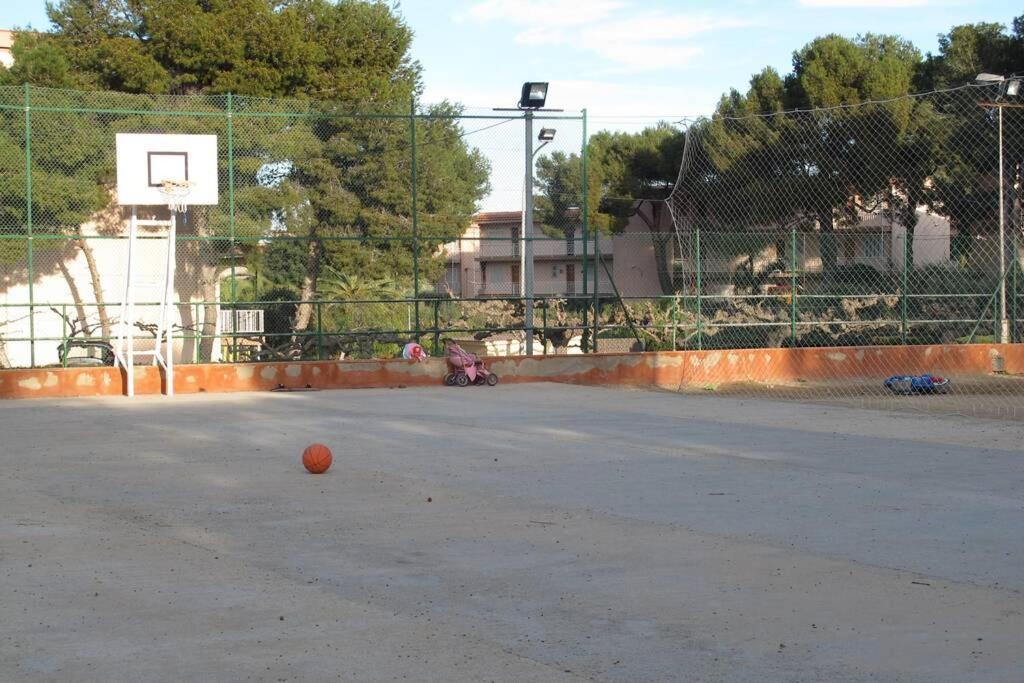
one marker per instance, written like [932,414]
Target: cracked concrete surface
[572,533]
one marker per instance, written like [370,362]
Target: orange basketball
[317,458]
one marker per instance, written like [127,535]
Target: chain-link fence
[333,236]
[345,235]
[884,224]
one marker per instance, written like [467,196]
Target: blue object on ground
[917,384]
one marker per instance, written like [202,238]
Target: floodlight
[534,95]
[546,134]
[1012,87]
[988,78]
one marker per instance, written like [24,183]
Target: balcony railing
[541,289]
[543,248]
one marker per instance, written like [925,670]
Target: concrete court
[574,533]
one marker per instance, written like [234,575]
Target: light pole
[1008,88]
[534,95]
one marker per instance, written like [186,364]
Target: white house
[62,276]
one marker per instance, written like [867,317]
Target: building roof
[488,218]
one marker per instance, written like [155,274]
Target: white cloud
[628,40]
[658,27]
[653,40]
[542,12]
[886,4]
[541,35]
[614,104]
[640,56]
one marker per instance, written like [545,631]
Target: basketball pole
[163,352]
[124,348]
[166,315]
[172,248]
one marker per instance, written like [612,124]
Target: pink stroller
[465,368]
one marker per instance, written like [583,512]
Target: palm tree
[364,303]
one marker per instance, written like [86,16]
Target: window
[849,248]
[452,277]
[874,246]
[570,278]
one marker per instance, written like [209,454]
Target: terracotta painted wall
[673,370]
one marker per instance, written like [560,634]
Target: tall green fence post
[675,318]
[700,322]
[903,287]
[231,228]
[584,342]
[319,332]
[437,325]
[544,323]
[415,225]
[198,332]
[792,289]
[28,229]
[597,289]
[1013,294]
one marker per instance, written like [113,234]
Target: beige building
[6,40]
[649,258]
[650,255]
[487,260]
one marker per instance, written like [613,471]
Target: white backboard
[145,160]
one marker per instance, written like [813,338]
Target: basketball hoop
[176,194]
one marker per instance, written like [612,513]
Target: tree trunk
[662,242]
[188,326]
[209,269]
[662,254]
[208,328]
[908,235]
[828,242]
[83,321]
[305,309]
[97,286]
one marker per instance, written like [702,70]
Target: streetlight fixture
[532,99]
[545,137]
[1008,87]
[989,78]
[534,95]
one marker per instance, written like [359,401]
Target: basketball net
[176,194]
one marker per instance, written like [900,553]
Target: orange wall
[664,369]
[700,368]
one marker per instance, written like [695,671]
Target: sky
[630,63]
